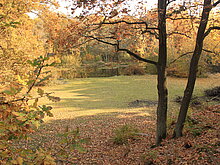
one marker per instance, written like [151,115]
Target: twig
[152,33]
[179,34]
[182,18]
[213,98]
[180,57]
[210,29]
[29,89]
[35,80]
[130,23]
[209,51]
[170,1]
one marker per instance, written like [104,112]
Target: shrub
[125,133]
[193,127]
[150,157]
[151,69]
[18,117]
[195,101]
[181,68]
[134,70]
[213,92]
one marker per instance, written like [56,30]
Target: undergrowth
[125,133]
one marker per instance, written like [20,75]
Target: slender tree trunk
[193,69]
[161,71]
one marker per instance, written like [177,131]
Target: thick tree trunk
[161,71]
[193,69]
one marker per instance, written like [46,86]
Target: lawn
[97,106]
[91,96]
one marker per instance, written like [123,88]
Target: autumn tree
[113,13]
[124,28]
[182,30]
[62,37]
[201,35]
[22,59]
[18,42]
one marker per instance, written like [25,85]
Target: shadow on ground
[99,129]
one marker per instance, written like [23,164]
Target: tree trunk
[161,72]
[193,69]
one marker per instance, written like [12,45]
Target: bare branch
[179,34]
[187,53]
[116,45]
[209,51]
[137,56]
[178,11]
[147,29]
[216,3]
[182,18]
[152,33]
[210,29]
[102,41]
[170,1]
[99,25]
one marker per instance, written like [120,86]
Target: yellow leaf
[35,103]
[20,80]
[19,161]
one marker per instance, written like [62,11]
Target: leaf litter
[199,145]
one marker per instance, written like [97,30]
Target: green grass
[125,133]
[91,96]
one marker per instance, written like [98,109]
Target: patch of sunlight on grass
[70,113]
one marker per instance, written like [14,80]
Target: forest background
[70,47]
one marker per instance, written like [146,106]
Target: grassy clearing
[91,96]
[98,106]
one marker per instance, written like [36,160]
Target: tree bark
[161,132]
[193,69]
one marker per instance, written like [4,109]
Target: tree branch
[102,41]
[39,70]
[179,34]
[216,3]
[137,56]
[180,57]
[130,23]
[99,25]
[187,53]
[209,51]
[36,78]
[170,1]
[147,29]
[181,18]
[152,33]
[210,29]
[116,45]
